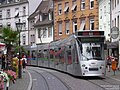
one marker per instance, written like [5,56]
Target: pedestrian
[109,63]
[24,63]
[3,62]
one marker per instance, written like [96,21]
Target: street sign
[114,32]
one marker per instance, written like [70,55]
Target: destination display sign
[91,39]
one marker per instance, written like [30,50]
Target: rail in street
[47,79]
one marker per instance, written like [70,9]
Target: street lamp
[19,28]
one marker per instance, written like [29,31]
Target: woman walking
[24,62]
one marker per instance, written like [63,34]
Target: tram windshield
[91,51]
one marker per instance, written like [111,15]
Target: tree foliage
[10,38]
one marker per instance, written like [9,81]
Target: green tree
[10,37]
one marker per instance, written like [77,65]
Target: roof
[42,8]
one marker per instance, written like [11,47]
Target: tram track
[45,81]
[105,83]
[47,76]
[69,88]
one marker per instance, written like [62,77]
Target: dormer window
[50,16]
[40,17]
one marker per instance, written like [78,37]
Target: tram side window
[45,54]
[61,55]
[51,53]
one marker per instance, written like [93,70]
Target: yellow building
[73,15]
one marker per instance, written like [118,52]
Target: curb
[30,83]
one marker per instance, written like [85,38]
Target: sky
[33,4]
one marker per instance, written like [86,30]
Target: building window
[74,26]
[59,9]
[112,4]
[24,39]
[40,17]
[44,32]
[24,11]
[115,22]
[16,12]
[91,24]
[24,25]
[8,13]
[117,1]
[49,31]
[91,4]
[82,24]
[32,39]
[39,33]
[1,25]
[66,9]
[74,7]
[60,28]
[8,24]
[82,4]
[67,29]
[0,14]
[118,21]
[100,13]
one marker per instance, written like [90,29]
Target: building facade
[73,15]
[11,11]
[41,26]
[115,22]
[104,18]
[41,23]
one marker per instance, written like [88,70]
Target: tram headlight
[83,65]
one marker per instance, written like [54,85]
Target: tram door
[68,54]
[76,66]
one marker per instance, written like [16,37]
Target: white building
[41,26]
[11,11]
[104,17]
[115,20]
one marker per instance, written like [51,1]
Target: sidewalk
[25,83]
[112,76]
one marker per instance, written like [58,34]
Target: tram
[81,54]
